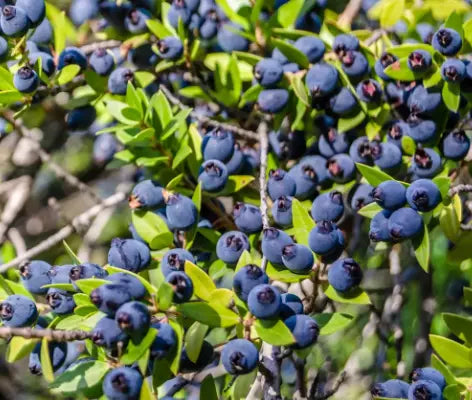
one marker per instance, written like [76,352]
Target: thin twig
[334,388]
[350,13]
[376,35]
[51,334]
[264,148]
[460,189]
[106,44]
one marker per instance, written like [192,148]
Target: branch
[336,385]
[80,221]
[264,148]
[350,13]
[106,44]
[15,203]
[460,189]
[51,334]
[243,133]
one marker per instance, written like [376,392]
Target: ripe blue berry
[178,11]
[104,148]
[181,212]
[305,179]
[129,254]
[426,163]
[81,118]
[397,130]
[60,273]
[405,223]
[18,311]
[343,102]
[425,31]
[272,100]
[379,231]
[34,275]
[218,144]
[421,131]
[297,258]
[280,183]
[264,301]
[235,164]
[428,374]
[87,271]
[422,102]
[72,55]
[312,47]
[213,175]
[355,64]
[387,157]
[247,278]
[268,72]
[108,298]
[344,275]
[231,245]
[326,240]
[420,61]
[369,91]
[239,356]
[118,80]
[393,388]
[146,195]
[453,70]
[304,329]
[102,62]
[390,195]
[328,207]
[47,62]
[344,43]
[291,305]
[134,319]
[81,11]
[107,333]
[122,383]
[331,142]
[420,390]
[174,260]
[182,286]
[135,21]
[385,60]
[447,41]
[164,342]
[273,242]
[423,195]
[321,80]
[14,21]
[43,34]
[229,40]
[170,48]
[341,168]
[60,301]
[282,211]
[455,145]
[360,196]
[35,9]
[26,80]
[247,218]
[132,284]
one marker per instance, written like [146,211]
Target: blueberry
[102,62]
[279,56]
[181,212]
[387,157]
[420,61]
[428,374]
[104,148]
[422,102]
[361,151]
[218,144]
[309,21]
[229,40]
[182,286]
[447,41]
[390,195]
[420,390]
[393,388]
[109,297]
[321,80]
[318,165]
[123,383]
[146,195]
[164,342]
[343,102]
[405,223]
[297,258]
[291,305]
[273,242]
[81,11]
[61,273]
[268,72]
[312,47]
[239,356]
[246,278]
[134,319]
[107,333]
[118,80]
[291,67]
[204,358]
[129,254]
[86,271]
[26,80]
[132,284]
[344,43]
[247,218]
[4,49]
[60,301]
[192,5]
[397,130]
[423,195]
[422,130]
[174,260]
[14,21]
[231,245]
[18,311]
[425,31]
[209,27]
[426,163]
[326,240]
[305,179]
[455,145]
[272,100]
[43,34]
[280,183]
[57,355]
[264,301]
[361,195]
[282,211]
[213,175]
[453,70]
[71,56]
[35,274]
[304,329]
[344,275]
[328,207]
[35,9]
[331,142]
[178,11]
[379,231]
[341,168]
[170,48]
[235,164]
[81,118]
[385,60]
[114,13]
[47,62]
[355,64]
[135,21]
[369,91]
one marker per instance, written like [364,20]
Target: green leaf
[441,367]
[160,372]
[244,260]
[134,351]
[235,184]
[283,274]
[355,296]
[6,80]
[274,332]
[450,222]
[291,52]
[68,73]
[399,70]
[203,285]
[88,285]
[165,296]
[287,14]
[468,296]
[392,11]
[467,27]
[45,358]
[197,197]
[194,340]
[179,332]
[70,252]
[443,183]
[210,314]
[232,15]
[408,145]
[113,270]
[158,29]
[454,21]
[332,322]
[146,393]
[115,108]
[153,229]
[208,389]
[18,288]
[373,175]
[59,23]
[459,325]
[222,296]
[302,222]
[174,182]
[8,97]
[68,287]
[250,58]
[453,353]
[370,210]
[422,249]
[19,347]
[346,124]
[299,88]
[451,94]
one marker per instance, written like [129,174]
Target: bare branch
[106,44]
[460,189]
[51,334]
[264,147]
[350,13]
[336,385]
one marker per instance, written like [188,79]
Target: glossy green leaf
[113,270]
[135,350]
[153,229]
[88,285]
[68,73]
[373,175]
[211,314]
[422,249]
[291,52]
[194,340]
[208,389]
[451,94]
[453,353]
[19,347]
[283,274]
[179,332]
[392,11]
[203,285]
[333,322]
[459,325]
[302,222]
[370,210]
[355,296]
[72,255]
[46,365]
[274,332]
